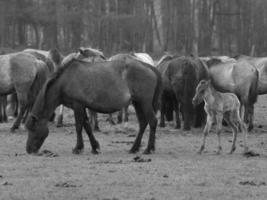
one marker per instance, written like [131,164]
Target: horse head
[37,133]
[200,91]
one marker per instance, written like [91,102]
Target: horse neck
[51,100]
[210,95]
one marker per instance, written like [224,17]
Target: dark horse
[141,57]
[103,87]
[180,77]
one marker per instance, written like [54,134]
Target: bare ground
[174,171]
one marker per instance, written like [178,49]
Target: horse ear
[81,50]
[103,57]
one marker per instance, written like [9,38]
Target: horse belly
[112,101]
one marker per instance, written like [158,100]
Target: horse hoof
[133,150]
[96,145]
[147,151]
[186,128]
[59,125]
[77,151]
[95,151]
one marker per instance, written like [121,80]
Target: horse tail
[158,90]
[40,78]
[189,78]
[253,90]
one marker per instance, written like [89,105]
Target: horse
[169,100]
[219,106]
[24,74]
[103,87]
[142,57]
[180,77]
[239,77]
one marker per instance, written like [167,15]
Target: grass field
[174,171]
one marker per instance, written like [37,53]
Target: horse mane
[213,61]
[238,56]
[66,63]
[91,52]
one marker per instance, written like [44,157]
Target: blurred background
[202,27]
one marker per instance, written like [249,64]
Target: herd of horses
[197,89]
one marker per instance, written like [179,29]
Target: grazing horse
[104,87]
[24,74]
[219,106]
[239,77]
[180,77]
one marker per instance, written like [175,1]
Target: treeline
[201,27]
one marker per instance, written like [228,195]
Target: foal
[219,106]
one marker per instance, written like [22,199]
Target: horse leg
[126,114]
[22,98]
[1,109]
[162,112]
[230,120]
[206,132]
[177,115]
[60,116]
[187,117]
[243,130]
[110,119]
[250,116]
[119,116]
[4,108]
[94,120]
[142,126]
[200,115]
[79,121]
[219,119]
[25,115]
[152,120]
[94,143]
